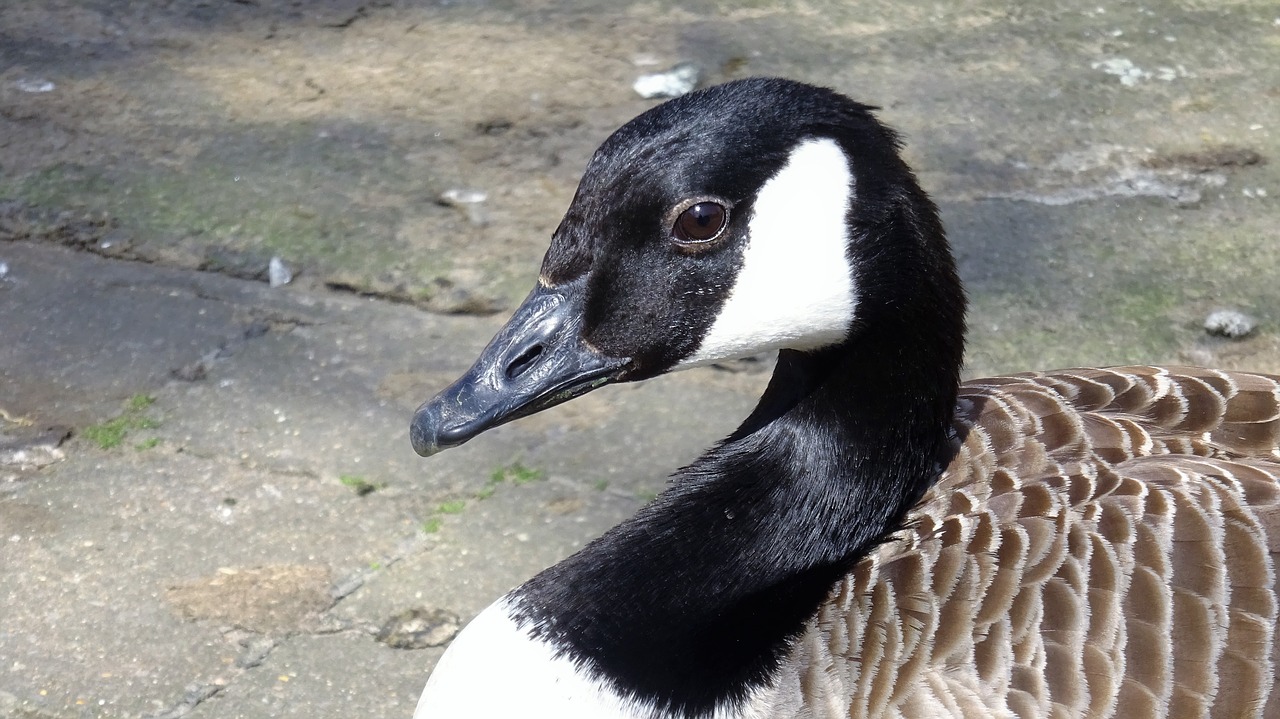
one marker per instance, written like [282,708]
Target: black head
[756,215]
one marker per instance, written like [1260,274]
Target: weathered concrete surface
[1140,138]
[1108,172]
[220,559]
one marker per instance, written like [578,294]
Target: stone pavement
[258,516]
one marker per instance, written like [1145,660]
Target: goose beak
[537,360]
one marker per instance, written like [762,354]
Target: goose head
[754,216]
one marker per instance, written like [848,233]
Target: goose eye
[701,222]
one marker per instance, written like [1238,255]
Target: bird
[876,539]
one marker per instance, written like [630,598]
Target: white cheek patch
[795,288]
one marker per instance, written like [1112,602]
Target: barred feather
[1103,544]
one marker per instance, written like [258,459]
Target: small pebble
[679,80]
[1123,68]
[469,201]
[35,84]
[278,273]
[456,196]
[1229,323]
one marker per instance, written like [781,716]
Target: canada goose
[875,540]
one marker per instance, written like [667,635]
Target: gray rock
[27,447]
[679,80]
[470,201]
[1231,324]
[278,273]
[35,84]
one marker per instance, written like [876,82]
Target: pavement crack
[195,695]
[443,297]
[256,650]
[405,549]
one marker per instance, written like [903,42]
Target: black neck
[693,602]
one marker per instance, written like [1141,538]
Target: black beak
[536,361]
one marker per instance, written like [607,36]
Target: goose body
[876,539]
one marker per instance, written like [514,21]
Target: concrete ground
[208,503]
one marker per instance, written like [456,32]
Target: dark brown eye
[702,222]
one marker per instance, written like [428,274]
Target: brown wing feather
[1102,545]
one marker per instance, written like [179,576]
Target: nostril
[523,362]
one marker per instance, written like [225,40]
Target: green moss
[432,525]
[516,473]
[1129,320]
[112,433]
[454,506]
[139,402]
[358,484]
[248,196]
[146,444]
[108,434]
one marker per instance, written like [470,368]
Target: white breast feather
[493,669]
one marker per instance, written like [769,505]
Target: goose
[876,539]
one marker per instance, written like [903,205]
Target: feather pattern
[1103,544]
